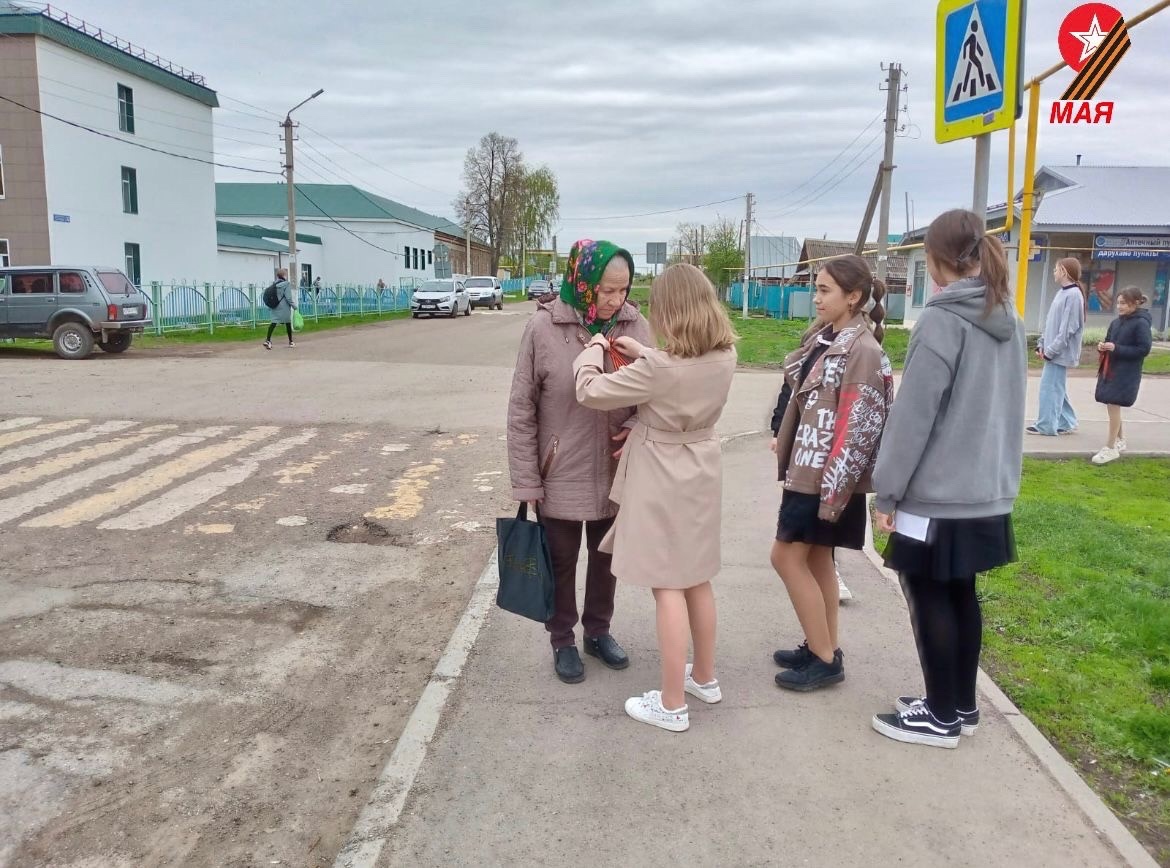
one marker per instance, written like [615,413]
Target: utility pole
[467,238]
[893,98]
[294,274]
[747,254]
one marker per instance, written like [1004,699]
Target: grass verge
[1077,632]
[765,342]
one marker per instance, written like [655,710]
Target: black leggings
[948,629]
[287,327]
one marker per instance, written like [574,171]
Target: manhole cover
[367,532]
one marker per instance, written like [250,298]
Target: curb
[1104,821]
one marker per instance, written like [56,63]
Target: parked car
[538,288]
[446,296]
[75,306]
[485,292]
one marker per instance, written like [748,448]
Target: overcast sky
[637,105]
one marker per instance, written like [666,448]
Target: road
[192,671]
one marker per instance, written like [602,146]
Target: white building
[82,179]
[1114,219]
[364,237]
[251,254]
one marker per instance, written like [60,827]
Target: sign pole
[982,173]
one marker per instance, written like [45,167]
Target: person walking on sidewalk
[1060,347]
[948,471]
[561,455]
[282,313]
[841,385]
[669,483]
[1119,371]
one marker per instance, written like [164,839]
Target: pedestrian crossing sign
[977,67]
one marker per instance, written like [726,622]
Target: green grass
[1078,631]
[765,342]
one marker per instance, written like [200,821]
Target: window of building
[133,263]
[1,171]
[919,297]
[414,253]
[406,257]
[70,282]
[129,190]
[4,261]
[125,109]
[430,258]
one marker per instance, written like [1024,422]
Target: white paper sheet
[911,526]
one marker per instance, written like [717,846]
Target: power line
[833,183]
[342,226]
[655,213]
[372,163]
[134,144]
[827,165]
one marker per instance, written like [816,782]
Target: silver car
[485,292]
[75,306]
[446,297]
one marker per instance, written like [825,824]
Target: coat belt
[661,435]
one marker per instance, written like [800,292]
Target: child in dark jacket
[1119,371]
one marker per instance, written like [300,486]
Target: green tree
[537,211]
[723,252]
[488,204]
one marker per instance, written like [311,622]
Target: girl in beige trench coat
[669,483]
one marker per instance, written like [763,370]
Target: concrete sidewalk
[525,770]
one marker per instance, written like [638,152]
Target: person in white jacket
[1060,347]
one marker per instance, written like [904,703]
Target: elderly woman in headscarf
[562,455]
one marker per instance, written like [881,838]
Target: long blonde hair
[686,313]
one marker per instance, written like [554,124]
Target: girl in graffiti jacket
[841,388]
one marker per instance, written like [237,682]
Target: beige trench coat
[669,483]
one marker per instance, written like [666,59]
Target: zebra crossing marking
[150,481]
[185,497]
[22,504]
[35,450]
[9,424]
[69,460]
[20,435]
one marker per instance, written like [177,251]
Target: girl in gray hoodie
[948,470]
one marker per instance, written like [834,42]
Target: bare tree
[493,174]
[689,242]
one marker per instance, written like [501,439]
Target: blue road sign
[977,67]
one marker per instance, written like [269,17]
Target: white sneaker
[1106,455]
[843,593]
[708,693]
[1120,445]
[647,708]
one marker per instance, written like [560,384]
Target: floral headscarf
[587,263]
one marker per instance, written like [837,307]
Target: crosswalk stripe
[23,504]
[9,424]
[35,450]
[203,488]
[148,482]
[67,461]
[29,433]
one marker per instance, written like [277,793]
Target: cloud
[638,105]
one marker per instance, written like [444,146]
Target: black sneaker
[794,659]
[813,675]
[918,725]
[568,665]
[968,720]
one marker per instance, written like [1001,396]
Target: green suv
[76,307]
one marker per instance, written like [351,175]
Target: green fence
[191,306]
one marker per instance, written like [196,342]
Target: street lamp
[294,271]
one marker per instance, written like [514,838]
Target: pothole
[367,532]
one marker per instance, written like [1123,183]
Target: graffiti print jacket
[829,437]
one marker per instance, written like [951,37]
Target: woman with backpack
[841,386]
[1119,370]
[280,299]
[948,471]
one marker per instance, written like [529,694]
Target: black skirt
[799,523]
[956,548]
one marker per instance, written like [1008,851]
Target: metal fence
[516,285]
[794,301]
[190,306]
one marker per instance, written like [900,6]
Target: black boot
[607,650]
[568,665]
[816,674]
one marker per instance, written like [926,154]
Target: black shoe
[968,720]
[918,725]
[794,659]
[816,674]
[568,665]
[607,650]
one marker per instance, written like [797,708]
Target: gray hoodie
[953,445]
[1061,340]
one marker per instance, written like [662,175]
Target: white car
[434,297]
[485,292]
